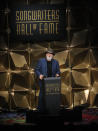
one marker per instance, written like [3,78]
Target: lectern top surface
[52,78]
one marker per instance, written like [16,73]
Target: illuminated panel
[80,78]
[79,58]
[62,58]
[94,89]
[80,97]
[19,60]
[65,87]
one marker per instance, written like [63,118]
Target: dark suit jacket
[41,68]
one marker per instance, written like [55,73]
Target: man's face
[49,56]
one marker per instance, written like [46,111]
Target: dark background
[81,15]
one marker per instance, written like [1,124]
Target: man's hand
[41,77]
[57,75]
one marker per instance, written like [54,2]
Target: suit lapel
[52,66]
[45,67]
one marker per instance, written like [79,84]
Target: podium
[52,94]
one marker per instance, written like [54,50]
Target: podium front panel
[52,94]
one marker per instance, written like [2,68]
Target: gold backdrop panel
[4,63]
[94,57]
[79,58]
[94,97]
[80,78]
[4,100]
[33,99]
[19,88]
[20,80]
[20,99]
[31,78]
[79,39]
[34,93]
[22,46]
[65,76]
[66,96]
[95,102]
[62,58]
[80,97]
[4,81]
[58,46]
[94,88]
[43,44]
[19,60]
[38,50]
[65,87]
[94,77]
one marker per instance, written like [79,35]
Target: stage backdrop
[32,23]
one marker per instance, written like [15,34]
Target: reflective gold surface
[79,58]
[62,57]
[79,75]
[20,100]
[18,60]
[80,97]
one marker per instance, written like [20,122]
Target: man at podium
[46,67]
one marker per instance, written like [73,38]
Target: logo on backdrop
[38,22]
